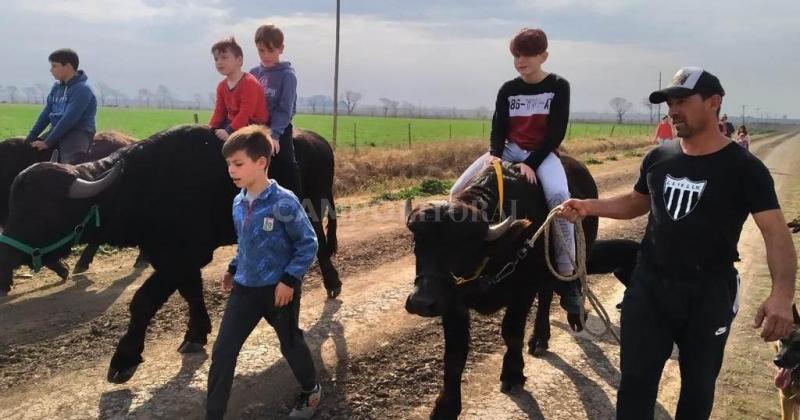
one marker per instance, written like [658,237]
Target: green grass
[16,119]
[426,188]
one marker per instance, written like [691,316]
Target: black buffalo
[171,196]
[451,239]
[17,154]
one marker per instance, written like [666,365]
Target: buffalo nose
[420,305]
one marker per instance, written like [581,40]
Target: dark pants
[694,311]
[283,167]
[72,148]
[246,306]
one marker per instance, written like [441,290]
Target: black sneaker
[306,403]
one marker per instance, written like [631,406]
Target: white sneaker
[306,403]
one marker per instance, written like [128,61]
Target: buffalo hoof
[507,387]
[443,413]
[120,376]
[80,268]
[538,347]
[189,347]
[141,262]
[333,293]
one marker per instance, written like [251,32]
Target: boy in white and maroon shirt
[529,123]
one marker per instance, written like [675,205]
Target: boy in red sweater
[240,99]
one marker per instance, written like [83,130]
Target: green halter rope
[36,254]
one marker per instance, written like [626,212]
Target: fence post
[483,131]
[409,135]
[612,131]
[196,119]
[569,130]
[450,136]
[355,139]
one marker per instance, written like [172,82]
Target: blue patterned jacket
[276,240]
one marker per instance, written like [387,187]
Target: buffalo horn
[499,229]
[85,189]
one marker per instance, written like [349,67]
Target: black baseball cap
[686,82]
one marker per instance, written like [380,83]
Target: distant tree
[164,97]
[351,101]
[651,108]
[118,96]
[144,96]
[482,112]
[408,108]
[317,101]
[31,94]
[44,90]
[103,92]
[386,103]
[11,91]
[620,107]
[198,100]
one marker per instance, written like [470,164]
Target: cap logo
[687,77]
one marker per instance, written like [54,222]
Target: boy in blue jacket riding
[70,110]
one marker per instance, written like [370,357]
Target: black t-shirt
[698,204]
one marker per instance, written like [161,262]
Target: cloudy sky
[432,52]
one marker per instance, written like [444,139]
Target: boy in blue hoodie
[280,88]
[70,110]
[276,247]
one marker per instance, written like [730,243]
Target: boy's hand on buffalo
[222,134]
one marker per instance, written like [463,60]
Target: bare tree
[30,94]
[144,96]
[482,112]
[351,101]
[44,90]
[11,91]
[386,103]
[164,97]
[651,108]
[198,100]
[118,96]
[103,92]
[620,106]
[408,108]
[312,103]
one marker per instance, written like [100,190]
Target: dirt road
[376,361]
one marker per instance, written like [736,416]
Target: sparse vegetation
[426,188]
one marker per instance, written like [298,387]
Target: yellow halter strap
[498,170]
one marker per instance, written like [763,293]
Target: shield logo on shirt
[681,196]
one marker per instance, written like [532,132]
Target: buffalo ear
[795,315]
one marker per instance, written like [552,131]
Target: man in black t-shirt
[685,289]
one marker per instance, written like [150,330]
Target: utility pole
[743,107]
[659,104]
[336,76]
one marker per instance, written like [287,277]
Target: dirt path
[372,353]
[745,388]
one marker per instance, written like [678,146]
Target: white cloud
[104,11]
[434,60]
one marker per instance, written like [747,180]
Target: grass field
[364,132]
